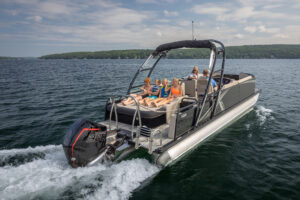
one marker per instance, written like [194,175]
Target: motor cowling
[84,142]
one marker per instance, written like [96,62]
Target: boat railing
[212,70]
[152,134]
[137,113]
[113,108]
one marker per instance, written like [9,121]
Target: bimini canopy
[185,44]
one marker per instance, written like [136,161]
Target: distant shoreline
[10,58]
[278,51]
[235,52]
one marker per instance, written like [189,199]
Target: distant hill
[246,52]
[10,58]
[6,58]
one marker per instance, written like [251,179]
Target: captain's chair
[201,86]
[190,87]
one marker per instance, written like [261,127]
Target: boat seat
[231,84]
[172,108]
[235,82]
[146,112]
[150,113]
[245,79]
[201,86]
[182,84]
[190,87]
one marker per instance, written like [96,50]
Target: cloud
[122,16]
[146,1]
[261,29]
[239,36]
[272,6]
[108,24]
[279,35]
[170,14]
[163,20]
[210,9]
[184,23]
[154,1]
[259,3]
[247,10]
[238,14]
[35,18]
[55,8]
[158,33]
[250,29]
[170,1]
[24,2]
[12,12]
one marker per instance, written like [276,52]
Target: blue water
[258,157]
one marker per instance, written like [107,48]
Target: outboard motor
[84,142]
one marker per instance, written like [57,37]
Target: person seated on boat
[206,75]
[146,89]
[163,92]
[154,93]
[195,73]
[175,91]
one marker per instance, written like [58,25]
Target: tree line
[241,52]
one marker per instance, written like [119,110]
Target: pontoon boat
[168,132]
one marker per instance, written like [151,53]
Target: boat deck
[159,139]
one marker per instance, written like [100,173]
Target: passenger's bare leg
[164,101]
[148,101]
[129,100]
[125,103]
[159,102]
[153,102]
[141,102]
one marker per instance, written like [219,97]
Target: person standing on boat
[195,73]
[206,75]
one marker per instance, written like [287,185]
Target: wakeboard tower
[168,132]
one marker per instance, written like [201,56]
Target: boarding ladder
[137,113]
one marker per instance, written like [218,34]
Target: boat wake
[43,173]
[263,114]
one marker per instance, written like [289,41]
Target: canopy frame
[162,50]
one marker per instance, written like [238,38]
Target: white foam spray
[6,154]
[50,177]
[264,114]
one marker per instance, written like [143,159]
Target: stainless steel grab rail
[137,112]
[152,134]
[113,107]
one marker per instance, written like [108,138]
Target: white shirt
[192,75]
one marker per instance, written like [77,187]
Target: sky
[38,27]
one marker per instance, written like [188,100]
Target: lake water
[258,157]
